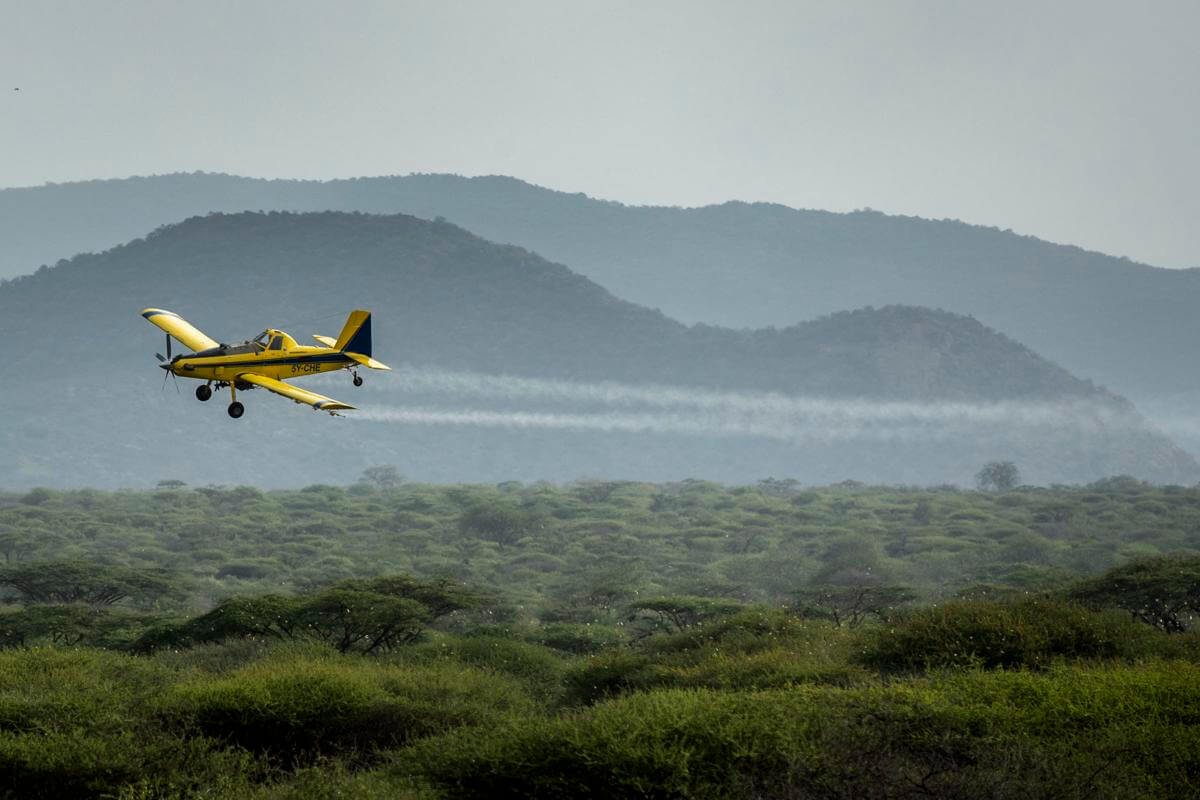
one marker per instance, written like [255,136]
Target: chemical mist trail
[650,408]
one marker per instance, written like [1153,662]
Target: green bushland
[1072,732]
[579,553]
[687,715]
[600,639]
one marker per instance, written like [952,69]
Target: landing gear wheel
[203,392]
[357,381]
[236,409]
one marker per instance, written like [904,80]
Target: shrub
[296,708]
[754,649]
[754,628]
[1099,733]
[578,638]
[539,669]
[331,781]
[1029,634]
[83,723]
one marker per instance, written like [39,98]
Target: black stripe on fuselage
[324,358]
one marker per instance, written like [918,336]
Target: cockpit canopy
[271,339]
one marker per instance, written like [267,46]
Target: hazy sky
[1072,121]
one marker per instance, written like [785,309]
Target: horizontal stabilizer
[366,361]
[328,341]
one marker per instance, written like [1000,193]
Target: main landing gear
[236,409]
[204,392]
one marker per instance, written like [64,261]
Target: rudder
[356,335]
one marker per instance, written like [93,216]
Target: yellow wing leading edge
[180,328]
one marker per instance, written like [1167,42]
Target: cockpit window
[255,346]
[276,343]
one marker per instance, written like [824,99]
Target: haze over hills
[513,367]
[1125,325]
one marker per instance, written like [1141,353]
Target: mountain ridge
[448,299]
[1123,324]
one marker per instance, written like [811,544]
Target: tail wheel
[203,392]
[236,409]
[357,380]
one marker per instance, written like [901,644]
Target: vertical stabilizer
[356,335]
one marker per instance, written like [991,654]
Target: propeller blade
[168,347]
[159,356]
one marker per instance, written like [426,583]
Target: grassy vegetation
[601,640]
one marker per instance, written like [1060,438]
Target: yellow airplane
[266,360]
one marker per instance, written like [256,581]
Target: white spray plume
[685,410]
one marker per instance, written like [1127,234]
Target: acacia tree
[80,582]
[14,544]
[364,621]
[268,616]
[358,614]
[70,624]
[501,523]
[384,477]
[441,596]
[851,605]
[1163,592]
[672,614]
[999,476]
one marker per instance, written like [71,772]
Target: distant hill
[89,406]
[1125,325]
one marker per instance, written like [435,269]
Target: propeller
[170,372]
[160,356]
[166,365]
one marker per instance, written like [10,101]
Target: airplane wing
[318,401]
[180,328]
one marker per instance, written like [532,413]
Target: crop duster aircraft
[266,360]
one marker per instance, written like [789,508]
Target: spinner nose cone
[167,367]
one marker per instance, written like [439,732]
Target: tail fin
[356,335]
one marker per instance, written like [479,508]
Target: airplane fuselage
[295,362]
